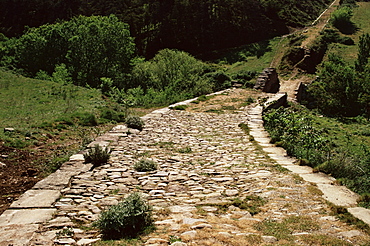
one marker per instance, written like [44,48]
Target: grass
[253,57]
[28,102]
[283,230]
[57,120]
[361,20]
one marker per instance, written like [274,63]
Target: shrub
[342,17]
[97,156]
[127,219]
[135,122]
[145,165]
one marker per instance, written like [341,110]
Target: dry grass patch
[322,240]
[226,102]
[283,230]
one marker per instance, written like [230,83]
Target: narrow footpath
[206,161]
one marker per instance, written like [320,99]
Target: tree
[337,90]
[90,47]
[363,52]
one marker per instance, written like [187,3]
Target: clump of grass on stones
[127,219]
[145,165]
[135,122]
[97,155]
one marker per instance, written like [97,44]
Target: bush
[135,122]
[342,17]
[97,156]
[145,165]
[127,219]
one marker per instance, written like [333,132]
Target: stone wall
[268,81]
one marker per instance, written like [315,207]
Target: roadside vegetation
[330,132]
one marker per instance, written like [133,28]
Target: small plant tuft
[179,107]
[127,219]
[135,122]
[97,155]
[145,165]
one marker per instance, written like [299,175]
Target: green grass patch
[361,16]
[28,102]
[179,107]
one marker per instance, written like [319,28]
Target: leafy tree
[90,47]
[363,52]
[171,68]
[337,89]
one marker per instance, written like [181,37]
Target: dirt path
[291,84]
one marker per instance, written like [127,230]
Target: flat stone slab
[77,157]
[339,195]
[36,199]
[26,216]
[317,178]
[17,234]
[55,181]
[361,213]
[275,150]
[298,169]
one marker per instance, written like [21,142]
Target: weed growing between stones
[135,122]
[145,165]
[97,155]
[128,219]
[185,150]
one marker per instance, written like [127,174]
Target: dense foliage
[194,26]
[341,89]
[87,47]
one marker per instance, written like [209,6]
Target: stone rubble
[191,189]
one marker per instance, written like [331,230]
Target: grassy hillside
[27,103]
[361,20]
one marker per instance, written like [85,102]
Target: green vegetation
[212,25]
[83,49]
[97,155]
[145,165]
[128,219]
[251,203]
[335,146]
[135,122]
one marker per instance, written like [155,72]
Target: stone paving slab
[26,216]
[298,169]
[317,178]
[36,199]
[10,234]
[361,213]
[338,195]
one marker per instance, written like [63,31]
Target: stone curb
[336,194]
